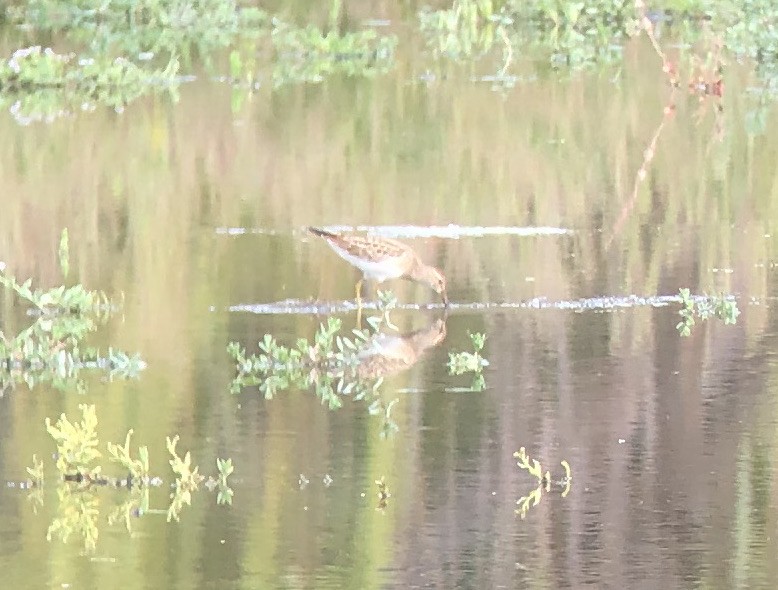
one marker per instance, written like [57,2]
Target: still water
[196,212]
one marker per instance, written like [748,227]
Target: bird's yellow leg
[359,303]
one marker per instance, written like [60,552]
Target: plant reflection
[544,482]
[51,350]
[81,477]
[336,365]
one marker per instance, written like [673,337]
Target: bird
[381,259]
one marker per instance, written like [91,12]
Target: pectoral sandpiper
[381,259]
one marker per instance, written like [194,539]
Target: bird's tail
[317,231]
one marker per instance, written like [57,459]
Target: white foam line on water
[239,231]
[451,231]
[610,303]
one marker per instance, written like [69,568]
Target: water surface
[196,212]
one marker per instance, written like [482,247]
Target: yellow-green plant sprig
[534,468]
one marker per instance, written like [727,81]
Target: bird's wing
[370,248]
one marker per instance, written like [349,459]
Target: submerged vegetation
[575,33]
[129,49]
[53,349]
[463,362]
[702,308]
[338,365]
[81,474]
[43,85]
[310,55]
[329,363]
[161,29]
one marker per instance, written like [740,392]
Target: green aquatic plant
[224,492]
[336,364]
[535,469]
[187,476]
[78,514]
[51,349]
[329,363]
[693,308]
[77,445]
[138,469]
[463,362]
[146,28]
[162,31]
[188,479]
[75,300]
[383,494]
[750,30]
[42,85]
[80,478]
[77,451]
[566,33]
[469,29]
[308,54]
[36,472]
[135,506]
[578,33]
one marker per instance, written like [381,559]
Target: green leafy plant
[80,478]
[144,27]
[52,348]
[188,479]
[463,362]
[329,363]
[77,445]
[224,492]
[567,33]
[703,308]
[138,469]
[383,494]
[78,513]
[42,85]
[307,54]
[470,28]
[36,472]
[339,365]
[135,506]
[60,300]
